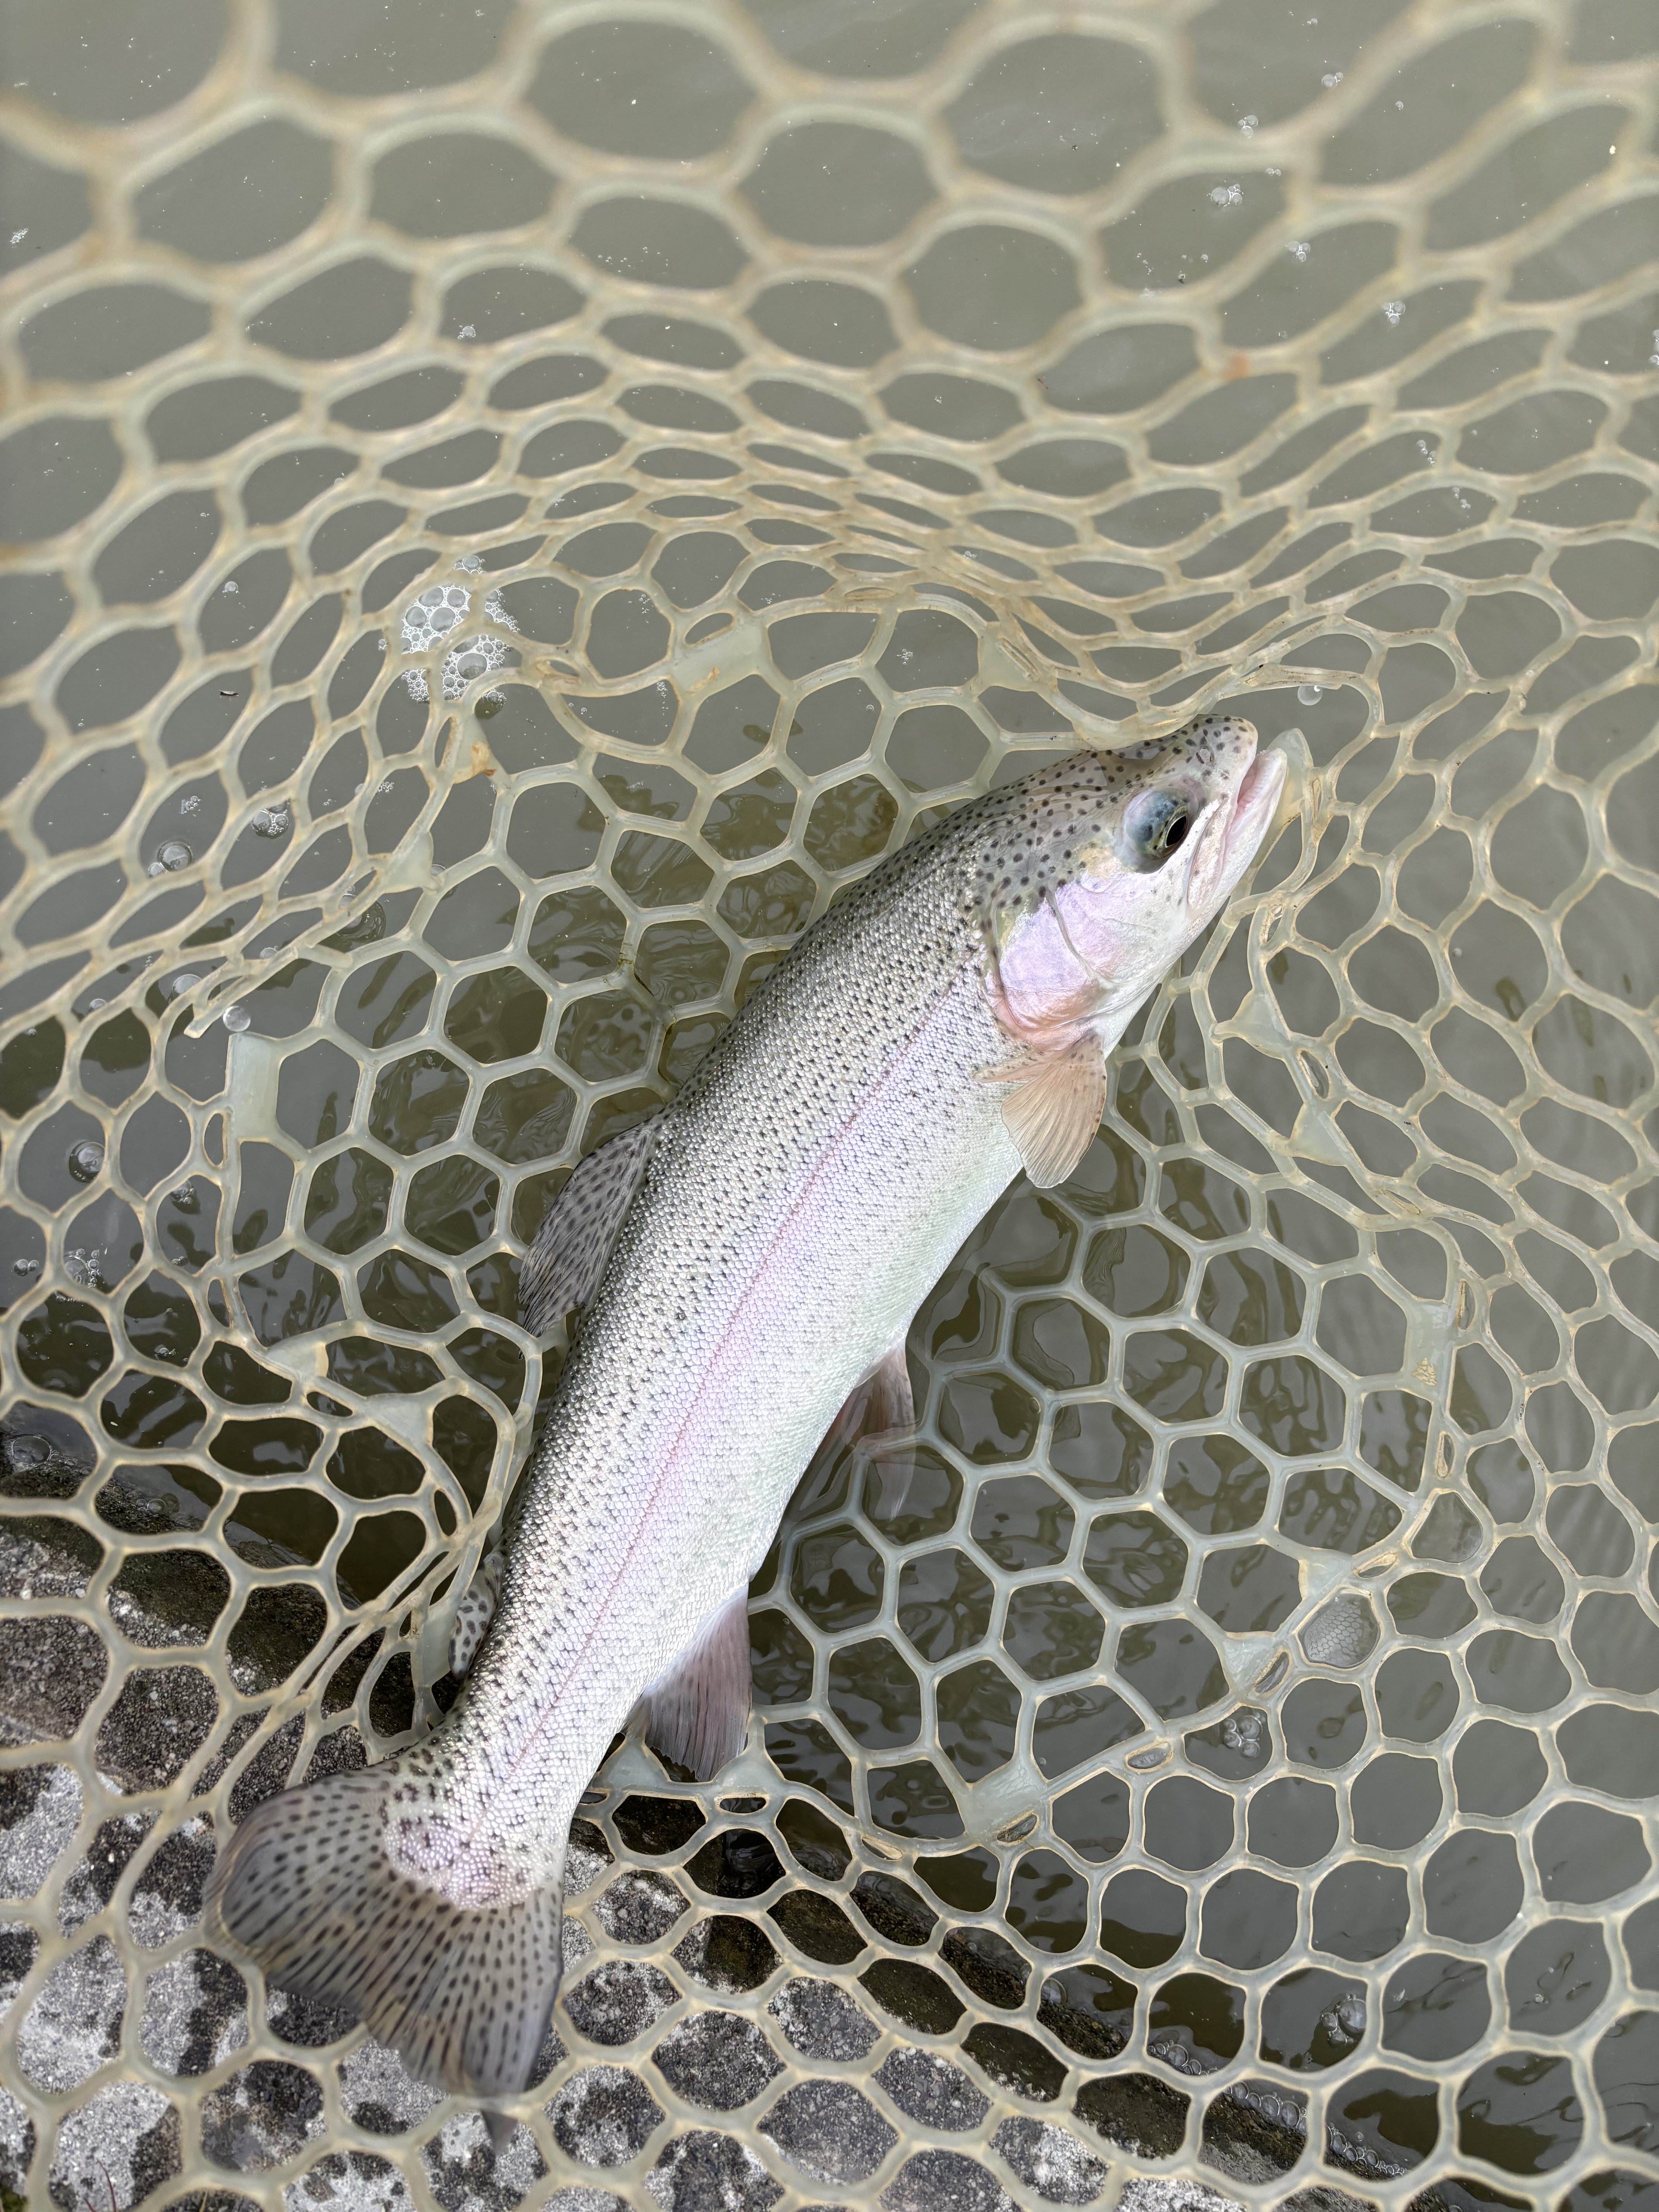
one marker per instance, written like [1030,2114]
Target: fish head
[1126,858]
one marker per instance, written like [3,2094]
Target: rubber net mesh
[520,506]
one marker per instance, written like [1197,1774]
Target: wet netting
[519,507]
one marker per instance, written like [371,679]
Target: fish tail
[462,1994]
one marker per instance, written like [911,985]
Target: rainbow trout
[747,1264]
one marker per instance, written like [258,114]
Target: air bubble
[1242,1732]
[271,821]
[26,1266]
[1310,695]
[237,1019]
[86,1160]
[171,857]
[187,981]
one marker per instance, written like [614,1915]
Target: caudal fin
[306,1887]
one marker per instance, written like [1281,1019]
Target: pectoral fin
[698,1713]
[1051,1107]
[562,1268]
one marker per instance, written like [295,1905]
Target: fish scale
[791,1209]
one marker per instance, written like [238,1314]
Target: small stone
[619,2000]
[945,2181]
[603,2116]
[39,1811]
[718,2059]
[262,2115]
[1050,2161]
[726,1953]
[467,2174]
[349,2181]
[576,1944]
[821,2020]
[379,2093]
[19,1949]
[195,2013]
[119,2147]
[639,1907]
[16,2145]
[829,2131]
[936,2094]
[74,2023]
[587,1857]
[707,2172]
[168,1897]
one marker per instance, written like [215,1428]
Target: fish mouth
[1233,824]
[1254,805]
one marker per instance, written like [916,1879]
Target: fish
[746,1265]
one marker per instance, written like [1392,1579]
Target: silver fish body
[798,1200]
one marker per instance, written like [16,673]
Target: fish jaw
[1254,810]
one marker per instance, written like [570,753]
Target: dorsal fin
[562,1268]
[1052,1104]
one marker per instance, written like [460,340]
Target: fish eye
[1154,826]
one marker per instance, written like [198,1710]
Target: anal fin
[1052,1104]
[697,1712]
[562,1268]
[880,1406]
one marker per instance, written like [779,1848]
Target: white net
[518,505]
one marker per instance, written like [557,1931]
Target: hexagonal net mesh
[521,505]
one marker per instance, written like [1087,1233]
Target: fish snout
[1238,820]
[1255,809]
